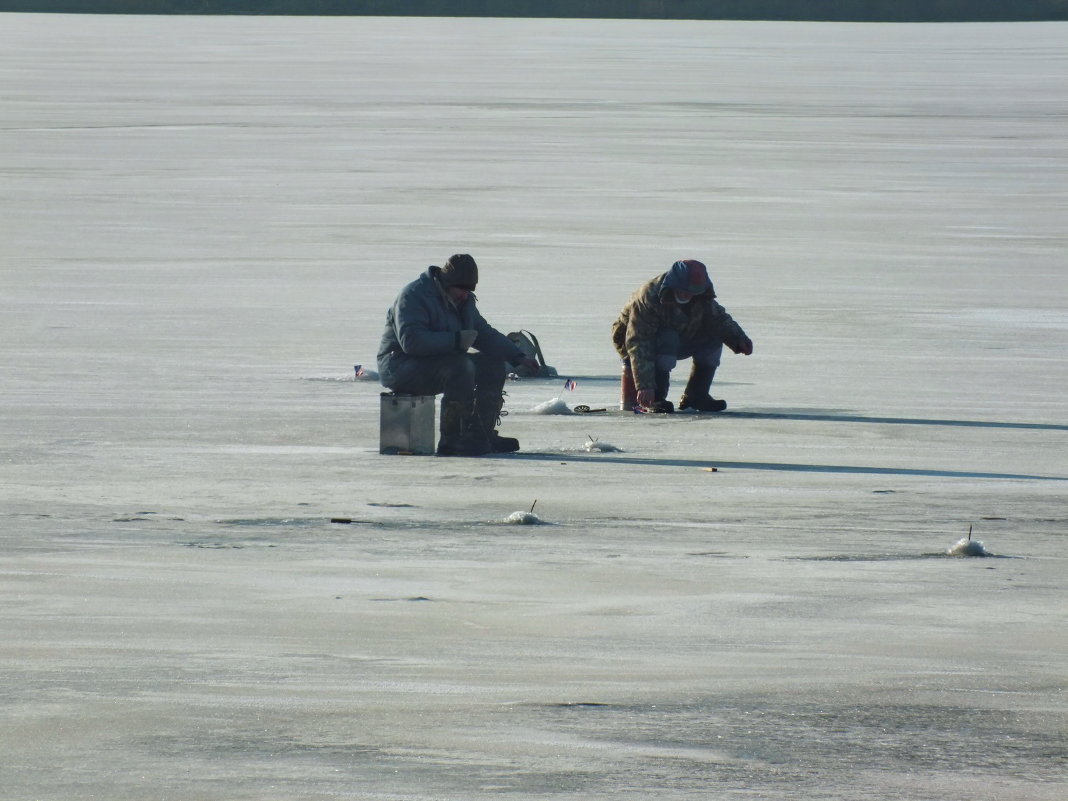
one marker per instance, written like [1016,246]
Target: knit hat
[688,275]
[460,270]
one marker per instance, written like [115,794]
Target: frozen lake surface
[204,220]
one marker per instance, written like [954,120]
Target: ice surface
[204,221]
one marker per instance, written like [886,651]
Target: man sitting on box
[430,328]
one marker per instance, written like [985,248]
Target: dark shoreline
[785,10]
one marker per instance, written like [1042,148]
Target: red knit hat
[688,275]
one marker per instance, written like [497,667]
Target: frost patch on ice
[348,378]
[554,406]
[272,521]
[966,546]
[1049,319]
[522,518]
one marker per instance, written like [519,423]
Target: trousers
[455,376]
[670,348]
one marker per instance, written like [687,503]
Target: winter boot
[460,434]
[488,416]
[696,396]
[663,382]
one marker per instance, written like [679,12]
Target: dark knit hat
[460,270]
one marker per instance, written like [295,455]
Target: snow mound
[597,446]
[522,518]
[554,406]
[968,547]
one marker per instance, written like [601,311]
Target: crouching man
[675,316]
[430,328]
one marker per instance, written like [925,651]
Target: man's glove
[745,347]
[465,339]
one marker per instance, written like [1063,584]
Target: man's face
[457,294]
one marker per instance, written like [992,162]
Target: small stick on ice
[533,505]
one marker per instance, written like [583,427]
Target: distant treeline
[836,10]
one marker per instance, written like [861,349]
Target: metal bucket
[406,424]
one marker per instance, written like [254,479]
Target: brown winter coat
[653,308]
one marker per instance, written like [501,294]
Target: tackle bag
[528,343]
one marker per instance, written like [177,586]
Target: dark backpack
[528,343]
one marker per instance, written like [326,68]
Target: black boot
[663,383]
[696,396]
[460,433]
[488,415]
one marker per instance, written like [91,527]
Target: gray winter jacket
[424,322]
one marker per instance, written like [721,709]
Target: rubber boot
[460,435]
[696,395]
[487,417]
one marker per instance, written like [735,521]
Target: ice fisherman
[675,316]
[430,328]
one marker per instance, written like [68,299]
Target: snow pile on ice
[968,547]
[522,518]
[597,446]
[554,406]
[347,377]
